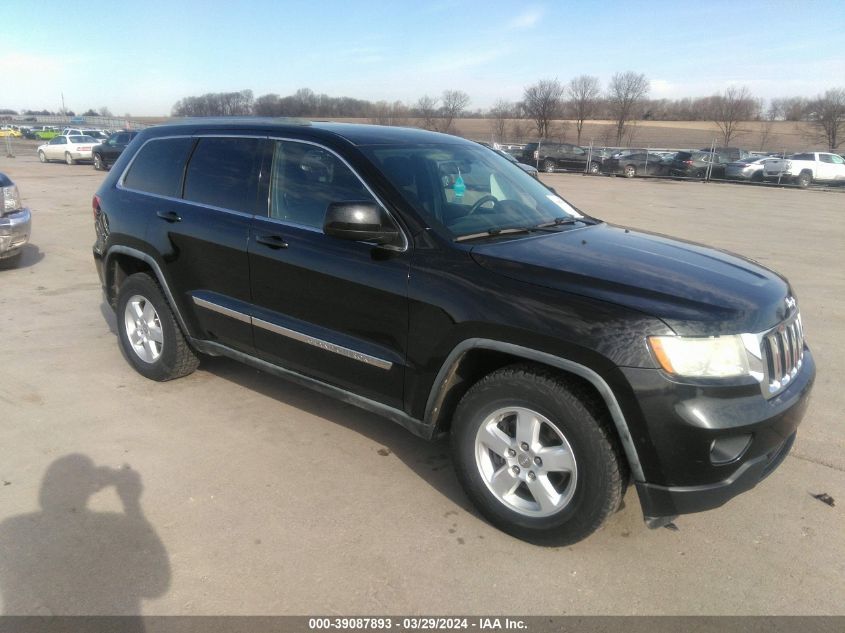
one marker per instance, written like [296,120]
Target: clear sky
[142,56]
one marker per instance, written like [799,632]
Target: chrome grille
[783,348]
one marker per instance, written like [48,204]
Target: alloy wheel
[143,328]
[526,461]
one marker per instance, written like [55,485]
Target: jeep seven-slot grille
[784,351]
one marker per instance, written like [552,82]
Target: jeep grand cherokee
[436,284]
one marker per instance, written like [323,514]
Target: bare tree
[426,109]
[625,94]
[454,103]
[583,93]
[499,114]
[827,117]
[519,129]
[384,113]
[730,109]
[542,104]
[767,122]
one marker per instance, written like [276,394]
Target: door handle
[273,241]
[169,216]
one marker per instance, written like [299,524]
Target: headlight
[11,199]
[710,357]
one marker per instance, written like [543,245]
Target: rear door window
[158,167]
[223,173]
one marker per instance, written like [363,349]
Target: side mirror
[359,222]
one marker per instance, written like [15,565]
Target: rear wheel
[69,159]
[630,171]
[594,168]
[549,166]
[98,163]
[148,331]
[805,178]
[536,454]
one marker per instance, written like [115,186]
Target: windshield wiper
[495,233]
[558,222]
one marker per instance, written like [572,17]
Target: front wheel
[536,454]
[70,160]
[98,163]
[148,331]
[630,171]
[42,157]
[594,168]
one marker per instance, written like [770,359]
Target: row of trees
[545,108]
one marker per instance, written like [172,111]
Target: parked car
[15,223]
[98,135]
[806,168]
[70,149]
[695,165]
[418,276]
[104,155]
[727,154]
[750,168]
[47,133]
[9,131]
[553,156]
[528,169]
[637,164]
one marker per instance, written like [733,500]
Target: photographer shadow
[69,560]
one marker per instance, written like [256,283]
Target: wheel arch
[123,261]
[474,358]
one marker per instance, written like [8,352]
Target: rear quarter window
[158,167]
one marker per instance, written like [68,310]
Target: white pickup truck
[806,168]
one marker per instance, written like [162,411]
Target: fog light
[727,449]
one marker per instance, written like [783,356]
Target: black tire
[630,171]
[176,358]
[70,160]
[42,157]
[757,176]
[549,166]
[805,178]
[582,419]
[594,168]
[99,165]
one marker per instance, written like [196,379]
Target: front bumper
[15,228]
[683,421]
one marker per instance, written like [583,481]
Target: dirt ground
[233,492]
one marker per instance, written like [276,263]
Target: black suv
[553,156]
[105,154]
[436,284]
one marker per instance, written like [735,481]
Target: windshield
[466,190]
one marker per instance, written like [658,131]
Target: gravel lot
[260,497]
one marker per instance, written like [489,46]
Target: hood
[694,289]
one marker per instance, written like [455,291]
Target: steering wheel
[482,200]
